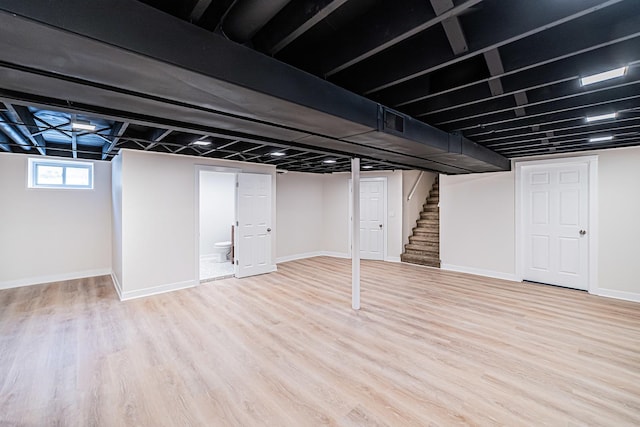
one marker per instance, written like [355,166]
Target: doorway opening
[556,227]
[217,216]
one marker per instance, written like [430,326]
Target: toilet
[221,251]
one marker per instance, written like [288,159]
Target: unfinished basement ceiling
[50,132]
[504,74]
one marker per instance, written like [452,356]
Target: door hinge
[237,224]
[237,262]
[237,184]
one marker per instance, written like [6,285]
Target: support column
[355,234]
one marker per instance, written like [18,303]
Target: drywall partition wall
[116,220]
[412,208]
[618,223]
[336,213]
[160,246]
[299,209]
[477,223]
[217,209]
[52,234]
[477,227]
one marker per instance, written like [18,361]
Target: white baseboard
[480,272]
[116,284]
[39,280]
[392,259]
[335,254]
[139,293]
[612,293]
[298,256]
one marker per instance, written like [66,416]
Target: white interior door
[253,231]
[555,218]
[372,214]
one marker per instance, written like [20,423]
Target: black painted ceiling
[503,73]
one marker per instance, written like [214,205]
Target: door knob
[583,232]
[268,230]
[380,225]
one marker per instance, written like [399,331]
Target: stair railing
[415,186]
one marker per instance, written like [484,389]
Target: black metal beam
[496,69]
[294,19]
[621,140]
[590,131]
[609,32]
[198,10]
[626,118]
[522,100]
[528,18]
[25,122]
[117,131]
[568,99]
[387,27]
[8,128]
[214,15]
[550,74]
[247,17]
[221,84]
[74,138]
[567,114]
[451,26]
[157,136]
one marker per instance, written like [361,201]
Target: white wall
[477,223]
[619,225]
[116,221]
[413,207]
[477,228]
[217,209]
[325,199]
[299,209]
[52,234]
[335,214]
[160,246]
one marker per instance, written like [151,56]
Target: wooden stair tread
[424,243]
[421,260]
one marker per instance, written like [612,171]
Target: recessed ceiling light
[367,167]
[601,138]
[328,161]
[600,77]
[277,154]
[601,117]
[82,126]
[201,142]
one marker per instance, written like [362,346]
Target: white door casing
[372,222]
[557,231]
[253,232]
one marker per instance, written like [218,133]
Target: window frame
[34,163]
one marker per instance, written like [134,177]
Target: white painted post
[355,234]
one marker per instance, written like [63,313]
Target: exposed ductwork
[3,143]
[136,62]
[8,129]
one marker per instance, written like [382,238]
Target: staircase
[424,245]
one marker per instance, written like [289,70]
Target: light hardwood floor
[285,349]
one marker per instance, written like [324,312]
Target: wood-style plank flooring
[285,349]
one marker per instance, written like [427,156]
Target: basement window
[47,173]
